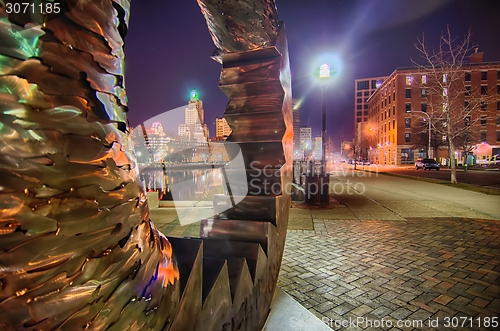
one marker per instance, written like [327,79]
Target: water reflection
[185,185]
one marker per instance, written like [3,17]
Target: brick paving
[425,269]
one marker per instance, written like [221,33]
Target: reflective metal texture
[77,249]
[238,26]
[249,237]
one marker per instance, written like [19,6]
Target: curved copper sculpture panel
[77,248]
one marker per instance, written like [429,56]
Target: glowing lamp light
[324,71]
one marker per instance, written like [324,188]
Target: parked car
[427,164]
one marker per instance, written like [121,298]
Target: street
[474,177]
[372,195]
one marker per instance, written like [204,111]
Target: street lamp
[430,127]
[317,189]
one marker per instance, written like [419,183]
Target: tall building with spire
[194,127]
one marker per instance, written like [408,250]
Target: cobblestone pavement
[421,270]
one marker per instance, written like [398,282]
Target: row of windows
[367,84]
[365,93]
[467,77]
[408,137]
[484,105]
[387,113]
[484,75]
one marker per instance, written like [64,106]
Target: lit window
[445,106]
[424,93]
[445,78]
[424,79]
[467,121]
[409,79]
[408,107]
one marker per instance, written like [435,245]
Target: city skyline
[372,38]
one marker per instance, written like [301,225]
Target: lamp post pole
[323,134]
[324,75]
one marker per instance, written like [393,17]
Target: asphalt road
[474,177]
[374,196]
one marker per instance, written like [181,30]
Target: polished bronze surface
[256,78]
[77,248]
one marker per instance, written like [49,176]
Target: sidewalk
[420,270]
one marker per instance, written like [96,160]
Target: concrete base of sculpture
[288,314]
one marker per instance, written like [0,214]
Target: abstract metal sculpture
[77,248]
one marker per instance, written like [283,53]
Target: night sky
[168,50]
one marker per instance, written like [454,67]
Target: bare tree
[452,105]
[421,131]
[467,141]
